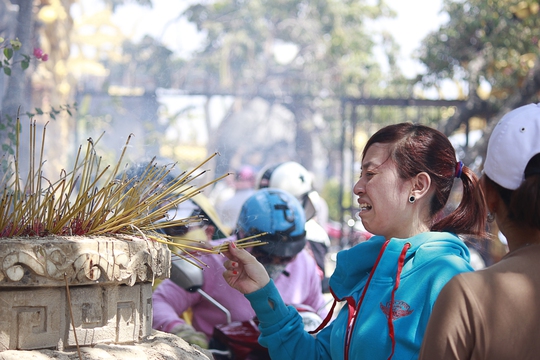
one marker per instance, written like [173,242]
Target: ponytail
[470,217]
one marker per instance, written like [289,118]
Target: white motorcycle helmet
[293,178]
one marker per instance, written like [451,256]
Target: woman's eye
[367,174]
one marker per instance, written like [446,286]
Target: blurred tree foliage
[330,193]
[147,63]
[330,49]
[304,55]
[489,42]
[503,32]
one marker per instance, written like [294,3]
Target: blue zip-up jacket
[428,261]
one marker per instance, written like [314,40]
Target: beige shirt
[492,313]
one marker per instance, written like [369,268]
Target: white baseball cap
[513,142]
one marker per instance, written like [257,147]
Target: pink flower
[38,53]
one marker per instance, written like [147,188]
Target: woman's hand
[243,271]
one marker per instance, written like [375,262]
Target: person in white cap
[494,313]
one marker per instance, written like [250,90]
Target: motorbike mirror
[186,275]
[190,278]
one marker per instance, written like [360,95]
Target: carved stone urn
[58,292]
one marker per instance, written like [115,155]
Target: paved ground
[159,346]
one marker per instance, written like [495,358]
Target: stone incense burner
[57,291]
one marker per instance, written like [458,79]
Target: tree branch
[527,93]
[474,105]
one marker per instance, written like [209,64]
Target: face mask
[274,270]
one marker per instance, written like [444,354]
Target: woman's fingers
[236,253]
[243,271]
[230,264]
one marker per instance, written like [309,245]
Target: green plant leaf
[39,111]
[53,116]
[7,148]
[69,112]
[2,39]
[29,114]
[25,64]
[7,71]
[8,53]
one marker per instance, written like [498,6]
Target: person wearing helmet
[297,180]
[208,228]
[197,205]
[280,216]
[271,211]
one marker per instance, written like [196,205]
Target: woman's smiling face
[382,194]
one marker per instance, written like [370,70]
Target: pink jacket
[299,284]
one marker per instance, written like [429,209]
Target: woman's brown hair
[419,148]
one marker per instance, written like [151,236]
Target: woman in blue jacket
[389,283]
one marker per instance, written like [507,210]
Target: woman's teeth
[364,207]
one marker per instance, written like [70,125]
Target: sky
[162,23]
[415,19]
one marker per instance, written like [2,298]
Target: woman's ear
[421,185]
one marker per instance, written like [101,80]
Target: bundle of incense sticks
[241,243]
[190,258]
[194,260]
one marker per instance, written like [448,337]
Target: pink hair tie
[459,169]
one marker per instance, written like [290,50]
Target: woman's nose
[358,188]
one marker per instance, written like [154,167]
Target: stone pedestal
[108,297]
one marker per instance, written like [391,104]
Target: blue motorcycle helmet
[278,213]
